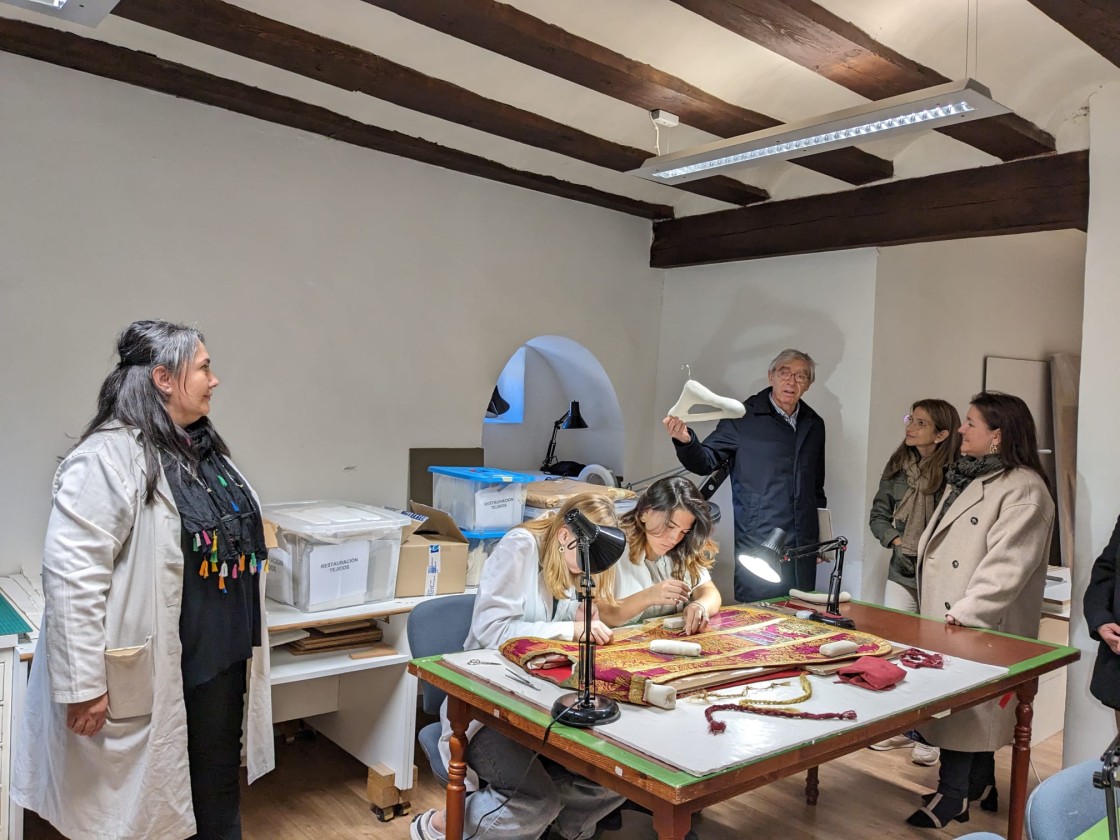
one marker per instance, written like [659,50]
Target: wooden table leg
[457,715]
[1021,758]
[671,822]
[812,786]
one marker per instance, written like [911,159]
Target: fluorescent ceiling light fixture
[85,12]
[953,102]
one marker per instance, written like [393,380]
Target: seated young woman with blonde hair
[528,588]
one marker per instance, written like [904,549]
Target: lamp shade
[605,544]
[762,561]
[573,419]
[498,404]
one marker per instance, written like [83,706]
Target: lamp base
[584,714]
[834,619]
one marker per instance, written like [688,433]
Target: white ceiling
[1030,63]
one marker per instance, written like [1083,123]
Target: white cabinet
[366,706]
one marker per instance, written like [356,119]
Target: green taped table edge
[11,623]
[673,778]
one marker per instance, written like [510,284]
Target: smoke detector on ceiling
[85,12]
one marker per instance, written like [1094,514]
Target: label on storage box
[499,506]
[431,578]
[338,571]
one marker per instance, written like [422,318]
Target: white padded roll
[661,696]
[674,648]
[817,597]
[844,646]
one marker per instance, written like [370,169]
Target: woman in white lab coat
[527,588]
[151,628]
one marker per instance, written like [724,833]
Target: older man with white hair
[776,456]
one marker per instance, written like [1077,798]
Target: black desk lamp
[571,419]
[763,560]
[599,549]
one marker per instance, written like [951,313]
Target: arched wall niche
[555,371]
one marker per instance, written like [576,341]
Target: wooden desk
[673,795]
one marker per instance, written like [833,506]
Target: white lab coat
[113,579]
[513,601]
[631,578]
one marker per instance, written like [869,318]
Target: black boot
[987,798]
[982,781]
[938,811]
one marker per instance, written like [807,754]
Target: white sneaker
[925,755]
[895,743]
[421,827]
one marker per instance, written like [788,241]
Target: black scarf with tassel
[217,510]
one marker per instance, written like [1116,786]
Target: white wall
[729,321]
[940,308]
[355,304]
[1089,726]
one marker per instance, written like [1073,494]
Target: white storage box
[479,498]
[333,554]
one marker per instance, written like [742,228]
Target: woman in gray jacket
[909,491]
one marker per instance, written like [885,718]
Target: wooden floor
[318,793]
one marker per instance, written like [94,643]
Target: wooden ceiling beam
[241,32]
[148,71]
[1096,22]
[506,30]
[810,35]
[1048,192]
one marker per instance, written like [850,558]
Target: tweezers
[513,675]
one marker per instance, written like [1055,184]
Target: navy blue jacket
[777,481]
[1102,606]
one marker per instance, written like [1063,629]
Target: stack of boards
[341,636]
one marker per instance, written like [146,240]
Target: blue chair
[1066,804]
[1062,807]
[439,625]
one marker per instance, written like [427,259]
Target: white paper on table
[338,571]
[680,737]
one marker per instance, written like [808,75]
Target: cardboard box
[433,558]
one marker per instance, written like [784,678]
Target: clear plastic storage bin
[333,554]
[480,498]
[480,545]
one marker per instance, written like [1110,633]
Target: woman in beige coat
[133,719]
[982,563]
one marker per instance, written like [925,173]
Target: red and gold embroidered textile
[737,638]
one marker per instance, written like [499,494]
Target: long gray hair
[129,396]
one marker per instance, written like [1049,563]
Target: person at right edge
[776,453]
[1102,616]
[982,563]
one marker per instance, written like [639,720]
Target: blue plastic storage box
[480,498]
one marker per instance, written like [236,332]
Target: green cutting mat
[10,621]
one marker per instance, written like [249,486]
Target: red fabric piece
[872,673]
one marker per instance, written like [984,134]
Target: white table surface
[680,737]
